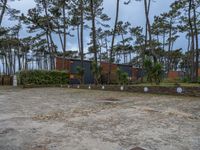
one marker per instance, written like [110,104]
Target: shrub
[96,71]
[186,79]
[122,77]
[80,74]
[158,73]
[43,77]
[154,71]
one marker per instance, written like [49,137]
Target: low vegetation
[154,71]
[96,71]
[42,77]
[80,74]
[122,77]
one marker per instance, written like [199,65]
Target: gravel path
[74,119]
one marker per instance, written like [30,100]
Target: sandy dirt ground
[74,119]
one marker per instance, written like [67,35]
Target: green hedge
[43,77]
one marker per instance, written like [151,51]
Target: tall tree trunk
[45,61]
[169,46]
[192,41]
[49,32]
[124,51]
[26,61]
[189,42]
[7,66]
[78,39]
[146,38]
[48,45]
[81,38]
[19,58]
[4,5]
[53,50]
[196,42]
[106,42]
[3,63]
[113,41]
[163,41]
[93,15]
[187,58]
[10,60]
[64,36]
[147,10]
[100,58]
[59,34]
[93,31]
[14,62]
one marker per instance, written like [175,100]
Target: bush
[96,71]
[122,77]
[154,71]
[186,79]
[43,77]
[80,74]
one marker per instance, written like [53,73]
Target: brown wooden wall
[175,74]
[105,69]
[6,80]
[199,72]
[59,64]
[135,73]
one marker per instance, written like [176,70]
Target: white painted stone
[179,90]
[146,89]
[14,80]
[122,88]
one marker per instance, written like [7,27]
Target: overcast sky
[134,13]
